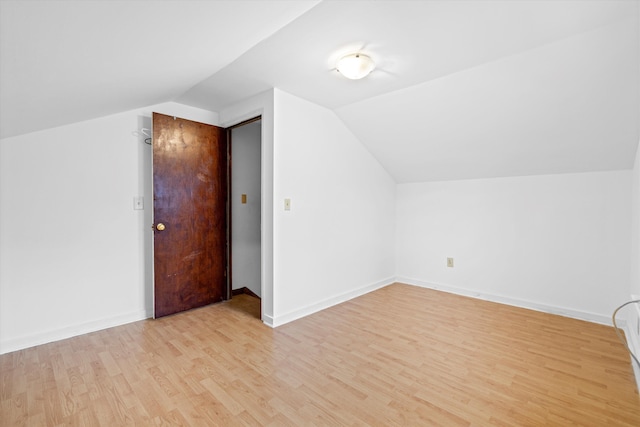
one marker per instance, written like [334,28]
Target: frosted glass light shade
[355,66]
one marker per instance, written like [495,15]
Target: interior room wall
[74,254]
[635,228]
[245,217]
[336,241]
[559,243]
[631,313]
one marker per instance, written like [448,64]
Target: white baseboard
[70,331]
[566,312]
[267,320]
[276,321]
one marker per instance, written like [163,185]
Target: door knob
[160,226]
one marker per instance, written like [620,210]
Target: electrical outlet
[450,262]
[138,203]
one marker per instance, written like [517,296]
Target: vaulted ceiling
[462,89]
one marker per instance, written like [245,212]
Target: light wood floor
[398,356]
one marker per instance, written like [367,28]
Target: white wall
[245,217]
[635,228]
[74,254]
[555,242]
[631,313]
[336,242]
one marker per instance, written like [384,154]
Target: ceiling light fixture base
[355,66]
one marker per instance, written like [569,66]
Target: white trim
[236,120]
[561,311]
[267,320]
[261,105]
[329,302]
[71,331]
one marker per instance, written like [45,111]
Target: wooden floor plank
[401,355]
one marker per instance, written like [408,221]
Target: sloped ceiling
[66,61]
[462,89]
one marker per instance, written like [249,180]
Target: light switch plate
[287,204]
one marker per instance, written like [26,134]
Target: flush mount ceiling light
[355,66]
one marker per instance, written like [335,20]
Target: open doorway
[245,217]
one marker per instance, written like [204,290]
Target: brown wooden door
[190,196]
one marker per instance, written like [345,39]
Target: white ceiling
[67,61]
[463,89]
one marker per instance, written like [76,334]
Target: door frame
[229,212]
